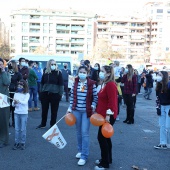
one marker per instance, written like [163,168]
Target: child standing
[20,102]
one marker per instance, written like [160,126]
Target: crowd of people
[100,89]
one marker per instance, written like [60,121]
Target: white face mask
[159,78]
[53,67]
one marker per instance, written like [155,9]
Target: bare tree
[4,50]
[40,50]
[103,49]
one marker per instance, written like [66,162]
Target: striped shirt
[81,96]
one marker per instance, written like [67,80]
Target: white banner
[70,81]
[3,101]
[54,136]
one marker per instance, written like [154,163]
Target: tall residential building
[59,32]
[132,36]
[160,12]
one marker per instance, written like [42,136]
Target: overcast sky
[113,6]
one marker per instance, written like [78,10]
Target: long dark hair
[24,84]
[130,72]
[163,85]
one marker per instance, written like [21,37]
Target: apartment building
[160,12]
[59,32]
[132,36]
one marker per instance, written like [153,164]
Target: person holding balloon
[83,102]
[107,106]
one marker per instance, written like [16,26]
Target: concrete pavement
[132,144]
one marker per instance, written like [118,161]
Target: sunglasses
[53,64]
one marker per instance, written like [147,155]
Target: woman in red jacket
[107,107]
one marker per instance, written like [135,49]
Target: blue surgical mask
[126,70]
[53,67]
[101,76]
[20,90]
[82,76]
[22,63]
[96,68]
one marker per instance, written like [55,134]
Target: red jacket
[108,99]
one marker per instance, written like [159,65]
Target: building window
[24,30]
[12,45]
[168,11]
[25,24]
[159,10]
[45,17]
[25,16]
[159,17]
[24,44]
[160,29]
[12,38]
[24,51]
[167,48]
[24,38]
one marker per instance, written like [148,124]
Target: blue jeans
[164,123]
[33,95]
[147,94]
[20,127]
[82,128]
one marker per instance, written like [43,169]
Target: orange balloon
[107,130]
[70,119]
[97,119]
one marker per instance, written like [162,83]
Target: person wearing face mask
[83,101]
[5,80]
[20,102]
[15,78]
[23,69]
[107,106]
[65,73]
[32,83]
[149,85]
[130,84]
[95,73]
[51,92]
[163,109]
[38,71]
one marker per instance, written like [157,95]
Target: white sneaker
[78,155]
[168,146]
[117,118]
[97,162]
[81,162]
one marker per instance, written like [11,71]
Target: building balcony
[137,27]
[136,40]
[77,48]
[77,42]
[35,26]
[62,28]
[77,28]
[62,42]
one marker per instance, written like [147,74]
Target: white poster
[70,81]
[54,136]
